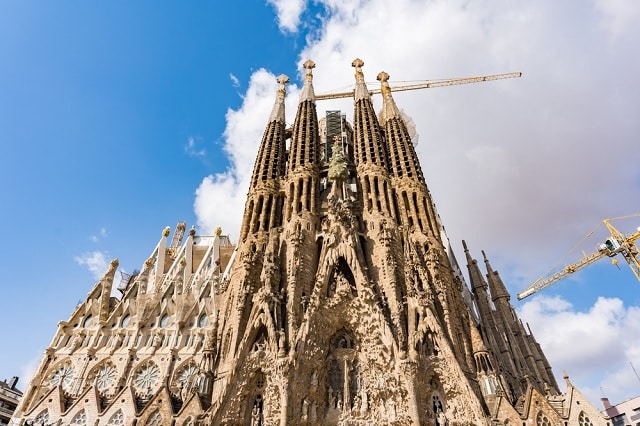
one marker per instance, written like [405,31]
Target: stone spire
[496,286]
[370,146]
[277,114]
[475,275]
[305,139]
[264,204]
[404,161]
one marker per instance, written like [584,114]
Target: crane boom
[425,85]
[617,243]
[567,270]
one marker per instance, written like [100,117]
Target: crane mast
[425,85]
[617,243]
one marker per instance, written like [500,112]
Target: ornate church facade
[341,304]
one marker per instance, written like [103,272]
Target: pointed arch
[584,420]
[80,419]
[155,419]
[342,381]
[103,376]
[256,398]
[185,376]
[147,377]
[341,279]
[542,419]
[61,374]
[117,419]
[42,417]
[260,340]
[438,404]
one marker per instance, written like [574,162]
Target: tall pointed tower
[341,304]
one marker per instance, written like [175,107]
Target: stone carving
[317,308]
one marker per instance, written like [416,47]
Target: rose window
[105,377]
[187,375]
[63,377]
[147,377]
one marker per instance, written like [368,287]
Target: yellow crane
[617,243]
[425,85]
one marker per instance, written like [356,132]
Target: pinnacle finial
[277,114]
[383,77]
[309,65]
[282,81]
[307,93]
[361,91]
[389,108]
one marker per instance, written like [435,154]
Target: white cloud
[234,80]
[594,347]
[220,197]
[27,370]
[95,261]
[521,168]
[618,16]
[288,13]
[193,147]
[100,235]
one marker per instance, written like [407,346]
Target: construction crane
[425,85]
[617,243]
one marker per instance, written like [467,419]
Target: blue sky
[118,119]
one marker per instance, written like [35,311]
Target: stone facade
[341,304]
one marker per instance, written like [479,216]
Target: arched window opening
[439,409]
[584,420]
[342,280]
[117,419]
[261,340]
[79,419]
[542,420]
[125,321]
[202,321]
[87,321]
[155,419]
[163,321]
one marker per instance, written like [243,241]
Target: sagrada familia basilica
[340,304]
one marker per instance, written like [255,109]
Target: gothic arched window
[344,375]
[542,420]
[125,321]
[584,420]
[117,419]
[87,321]
[79,419]
[155,419]
[202,321]
[42,418]
[163,321]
